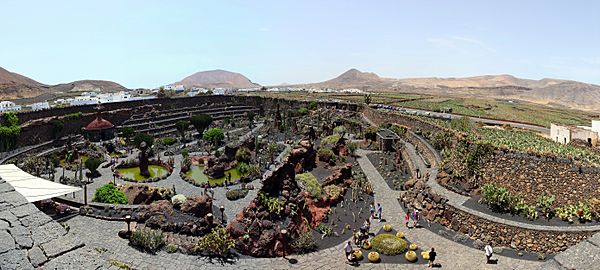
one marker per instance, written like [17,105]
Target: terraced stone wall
[514,237]
[36,127]
[532,175]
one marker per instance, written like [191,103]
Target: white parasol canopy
[31,187]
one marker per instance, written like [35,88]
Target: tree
[368,99]
[92,164]
[271,149]
[57,127]
[201,122]
[128,132]
[251,116]
[214,135]
[142,137]
[9,131]
[182,127]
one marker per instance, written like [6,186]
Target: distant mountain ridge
[572,94]
[217,79]
[16,86]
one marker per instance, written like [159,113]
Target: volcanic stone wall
[514,237]
[36,127]
[532,175]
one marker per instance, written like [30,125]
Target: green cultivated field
[528,113]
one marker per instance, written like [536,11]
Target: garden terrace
[165,122]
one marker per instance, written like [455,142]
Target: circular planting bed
[197,177]
[132,174]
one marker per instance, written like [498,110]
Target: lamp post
[128,221]
[222,208]
[284,236]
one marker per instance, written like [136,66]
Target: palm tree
[182,127]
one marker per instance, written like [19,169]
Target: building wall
[585,135]
[560,134]
[596,125]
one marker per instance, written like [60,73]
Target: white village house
[565,134]
[9,106]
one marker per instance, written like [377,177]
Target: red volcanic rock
[199,205]
[339,175]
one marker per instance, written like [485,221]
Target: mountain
[16,86]
[217,79]
[486,81]
[353,78]
[13,85]
[572,94]
[88,85]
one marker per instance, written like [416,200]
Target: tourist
[348,250]
[489,251]
[406,219]
[415,217]
[206,189]
[372,210]
[355,236]
[212,192]
[379,211]
[432,255]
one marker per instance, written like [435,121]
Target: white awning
[31,187]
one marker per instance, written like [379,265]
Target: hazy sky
[151,43]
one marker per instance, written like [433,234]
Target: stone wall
[531,175]
[36,127]
[435,208]
[28,237]
[514,237]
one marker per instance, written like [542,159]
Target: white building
[9,106]
[40,106]
[565,134]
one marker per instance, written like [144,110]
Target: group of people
[379,211]
[411,218]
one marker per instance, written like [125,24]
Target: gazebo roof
[99,123]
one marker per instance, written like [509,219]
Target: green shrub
[389,244]
[272,204]
[331,139]
[529,212]
[178,199]
[243,168]
[544,203]
[109,194]
[147,239]
[72,116]
[351,146]
[302,111]
[309,183]
[236,194]
[334,192]
[324,229]
[217,242]
[92,164]
[243,154]
[171,248]
[325,154]
[168,141]
[304,242]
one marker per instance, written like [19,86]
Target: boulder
[198,206]
[340,174]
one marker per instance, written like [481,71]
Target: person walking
[379,211]
[348,251]
[432,255]
[372,210]
[489,251]
[415,216]
[406,219]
